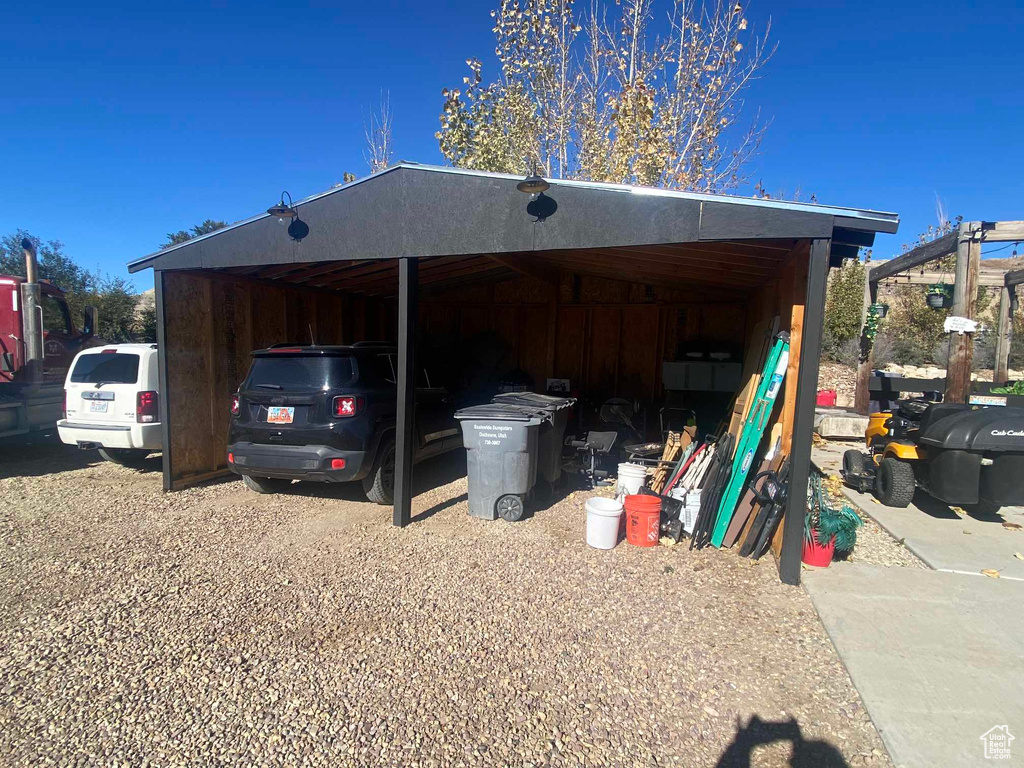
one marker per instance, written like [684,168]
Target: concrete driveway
[935,654]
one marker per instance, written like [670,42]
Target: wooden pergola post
[965,294]
[1004,332]
[862,397]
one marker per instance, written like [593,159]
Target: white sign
[959,325]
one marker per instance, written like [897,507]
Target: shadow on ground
[427,475]
[943,511]
[45,454]
[806,753]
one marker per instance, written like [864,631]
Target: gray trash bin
[549,443]
[501,457]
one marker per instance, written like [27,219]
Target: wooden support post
[161,364]
[965,293]
[408,288]
[862,397]
[1004,334]
[803,417]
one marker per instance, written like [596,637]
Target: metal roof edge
[142,263]
[828,210]
[884,221]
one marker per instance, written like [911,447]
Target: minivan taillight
[346,406]
[234,405]
[147,407]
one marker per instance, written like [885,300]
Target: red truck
[36,349]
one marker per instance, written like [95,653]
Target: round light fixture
[282,211]
[533,184]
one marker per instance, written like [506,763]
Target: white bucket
[631,480]
[603,517]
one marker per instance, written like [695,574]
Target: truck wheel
[126,457]
[265,484]
[894,484]
[379,485]
[853,463]
[510,508]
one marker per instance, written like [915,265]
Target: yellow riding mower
[970,457]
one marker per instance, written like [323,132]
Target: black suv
[328,414]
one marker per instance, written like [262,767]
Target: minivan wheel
[126,457]
[265,484]
[379,485]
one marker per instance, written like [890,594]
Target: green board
[768,389]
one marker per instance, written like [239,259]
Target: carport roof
[412,210]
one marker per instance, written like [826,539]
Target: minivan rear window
[106,368]
[300,374]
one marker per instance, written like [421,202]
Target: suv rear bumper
[99,435]
[298,462]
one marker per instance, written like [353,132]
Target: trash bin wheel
[510,508]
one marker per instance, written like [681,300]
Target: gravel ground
[874,544]
[216,626]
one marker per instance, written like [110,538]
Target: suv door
[435,414]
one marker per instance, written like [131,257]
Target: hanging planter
[940,296]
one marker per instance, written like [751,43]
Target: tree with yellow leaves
[597,96]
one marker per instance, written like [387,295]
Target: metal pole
[803,413]
[408,289]
[31,312]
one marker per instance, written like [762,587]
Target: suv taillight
[234,405]
[346,406]
[65,404]
[147,407]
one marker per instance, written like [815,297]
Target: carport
[596,283]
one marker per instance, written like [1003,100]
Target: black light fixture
[297,228]
[533,184]
[282,211]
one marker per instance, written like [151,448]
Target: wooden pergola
[965,241]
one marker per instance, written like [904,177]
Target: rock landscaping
[216,626]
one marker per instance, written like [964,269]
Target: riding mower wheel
[894,483]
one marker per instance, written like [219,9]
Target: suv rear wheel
[379,485]
[265,484]
[127,457]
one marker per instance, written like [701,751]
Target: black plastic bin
[501,457]
[552,432]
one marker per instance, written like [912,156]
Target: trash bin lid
[533,400]
[503,411]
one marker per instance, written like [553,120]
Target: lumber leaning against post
[771,382]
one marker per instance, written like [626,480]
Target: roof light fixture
[533,184]
[282,211]
[297,228]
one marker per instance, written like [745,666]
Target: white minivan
[111,402]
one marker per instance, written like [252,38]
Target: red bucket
[827,398]
[817,555]
[643,520]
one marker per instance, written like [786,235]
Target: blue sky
[122,122]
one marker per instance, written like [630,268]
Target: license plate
[277,414]
[97,406]
[986,400]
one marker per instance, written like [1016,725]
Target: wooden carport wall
[492,221]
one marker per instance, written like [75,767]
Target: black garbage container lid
[502,411]
[533,400]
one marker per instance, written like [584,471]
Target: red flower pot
[817,555]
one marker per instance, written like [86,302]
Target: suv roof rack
[374,344]
[287,344]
